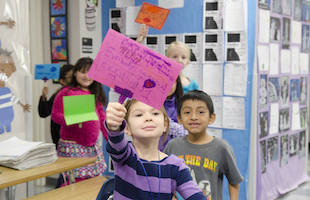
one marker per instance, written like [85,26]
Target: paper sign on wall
[47,71]
[153,16]
[124,64]
[79,108]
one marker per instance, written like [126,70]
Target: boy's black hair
[64,70]
[196,95]
[84,64]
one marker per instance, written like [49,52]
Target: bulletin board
[283,85]
[59,33]
[189,20]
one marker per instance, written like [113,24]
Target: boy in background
[208,158]
[45,106]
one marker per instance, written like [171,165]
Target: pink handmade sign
[134,70]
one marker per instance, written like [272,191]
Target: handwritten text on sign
[122,62]
[47,71]
[153,16]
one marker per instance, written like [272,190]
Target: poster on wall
[284,150]
[236,47]
[91,15]
[213,47]
[263,91]
[297,10]
[117,19]
[286,33]
[263,157]
[194,43]
[213,15]
[272,149]
[155,42]
[264,4]
[284,98]
[15,77]
[170,38]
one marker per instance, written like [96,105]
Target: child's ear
[166,121]
[128,131]
[212,118]
[179,120]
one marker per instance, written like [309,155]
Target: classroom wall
[76,31]
[189,19]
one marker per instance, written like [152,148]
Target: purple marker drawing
[149,83]
[124,94]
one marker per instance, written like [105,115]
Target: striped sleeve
[187,188]
[117,145]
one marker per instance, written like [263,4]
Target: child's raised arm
[115,115]
[143,31]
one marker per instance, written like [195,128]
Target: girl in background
[82,141]
[170,104]
[179,52]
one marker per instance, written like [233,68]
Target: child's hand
[143,31]
[44,93]
[115,115]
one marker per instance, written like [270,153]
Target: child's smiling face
[195,116]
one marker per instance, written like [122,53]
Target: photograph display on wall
[59,32]
[263,156]
[272,149]
[284,150]
[282,63]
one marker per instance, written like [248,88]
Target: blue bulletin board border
[189,19]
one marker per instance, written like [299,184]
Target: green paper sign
[80,108]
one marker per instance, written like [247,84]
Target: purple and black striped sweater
[131,181]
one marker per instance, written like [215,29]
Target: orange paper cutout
[152,15]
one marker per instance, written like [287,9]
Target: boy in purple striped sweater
[141,170]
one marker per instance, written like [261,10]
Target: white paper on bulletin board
[132,27]
[233,113]
[213,47]
[218,110]
[195,44]
[155,42]
[124,3]
[235,79]
[171,3]
[213,79]
[194,71]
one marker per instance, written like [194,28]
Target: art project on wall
[284,150]
[263,155]
[263,91]
[263,124]
[153,16]
[134,70]
[302,144]
[273,149]
[7,68]
[47,71]
[294,144]
[212,15]
[295,90]
[303,91]
[58,33]
[273,89]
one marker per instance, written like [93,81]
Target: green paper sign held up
[80,108]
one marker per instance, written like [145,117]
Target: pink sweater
[88,134]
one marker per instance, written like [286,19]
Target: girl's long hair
[84,64]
